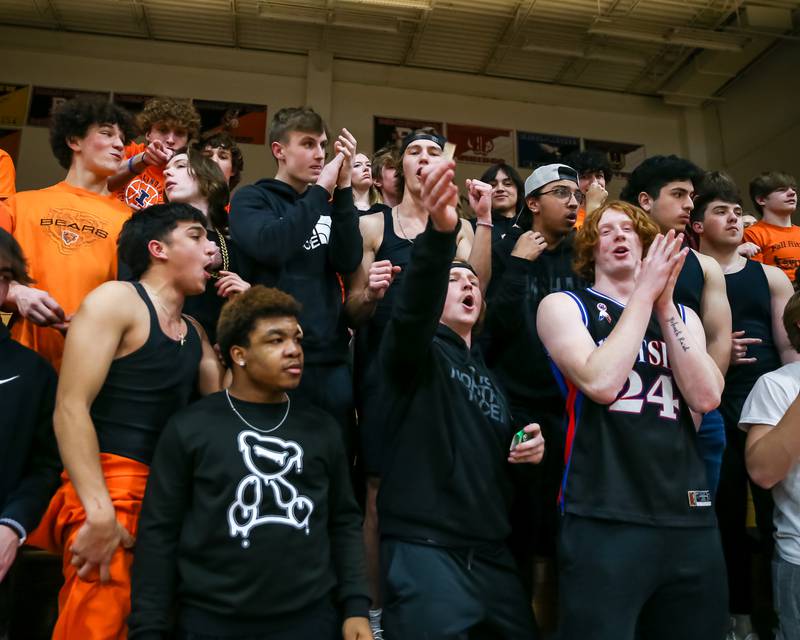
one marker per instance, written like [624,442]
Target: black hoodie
[515,353]
[300,243]
[445,475]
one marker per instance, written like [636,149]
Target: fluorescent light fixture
[682,36]
[307,15]
[589,54]
[420,5]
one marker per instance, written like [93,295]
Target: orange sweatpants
[89,609]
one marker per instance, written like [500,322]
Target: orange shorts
[89,609]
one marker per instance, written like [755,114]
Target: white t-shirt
[766,404]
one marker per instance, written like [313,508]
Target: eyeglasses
[565,194]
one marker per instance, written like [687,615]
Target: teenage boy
[508,199]
[757,295]
[774,196]
[388,238]
[276,501]
[384,175]
[146,362]
[663,186]
[595,172]
[8,176]
[638,543]
[222,149]
[445,484]
[771,417]
[30,464]
[538,263]
[301,230]
[68,231]
[168,125]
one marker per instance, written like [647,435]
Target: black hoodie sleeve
[265,235]
[344,527]
[155,561]
[28,501]
[505,315]
[416,312]
[346,246]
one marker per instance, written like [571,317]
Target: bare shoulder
[465,232]
[776,277]
[712,272]
[371,227]
[558,304]
[113,296]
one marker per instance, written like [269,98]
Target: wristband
[481,223]
[17,528]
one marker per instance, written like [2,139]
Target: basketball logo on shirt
[320,235]
[71,229]
[140,195]
[266,496]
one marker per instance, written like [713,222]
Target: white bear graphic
[270,460]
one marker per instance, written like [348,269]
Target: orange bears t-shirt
[8,176]
[147,188]
[780,246]
[69,237]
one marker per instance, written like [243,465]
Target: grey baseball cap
[547,174]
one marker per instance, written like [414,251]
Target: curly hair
[590,161]
[588,236]
[73,119]
[241,313]
[172,111]
[223,140]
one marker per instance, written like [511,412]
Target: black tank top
[368,338]
[144,388]
[689,287]
[634,460]
[751,310]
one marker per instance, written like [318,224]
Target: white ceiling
[632,46]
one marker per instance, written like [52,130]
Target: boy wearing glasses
[540,263]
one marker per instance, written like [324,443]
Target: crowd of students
[336,405]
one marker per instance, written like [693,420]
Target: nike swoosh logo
[8,380]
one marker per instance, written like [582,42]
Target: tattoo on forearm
[673,323]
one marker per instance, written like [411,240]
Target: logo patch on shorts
[699,498]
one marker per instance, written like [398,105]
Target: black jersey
[751,312]
[690,283]
[634,460]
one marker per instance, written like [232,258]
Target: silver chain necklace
[252,426]
[400,224]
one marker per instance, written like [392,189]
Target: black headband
[413,137]
[461,264]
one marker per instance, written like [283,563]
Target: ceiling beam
[509,35]
[419,33]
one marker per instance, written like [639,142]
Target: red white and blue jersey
[634,460]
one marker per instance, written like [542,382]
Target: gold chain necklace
[154,297]
[223,248]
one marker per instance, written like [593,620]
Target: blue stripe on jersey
[579,302]
[682,311]
[605,297]
[560,380]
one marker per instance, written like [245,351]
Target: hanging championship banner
[13,104]
[391,131]
[246,123]
[536,149]
[46,100]
[481,145]
[10,141]
[624,156]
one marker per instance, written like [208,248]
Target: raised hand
[37,306]
[658,266]
[595,197]
[230,283]
[156,154]
[346,145]
[748,249]
[440,195]
[329,175]
[480,199]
